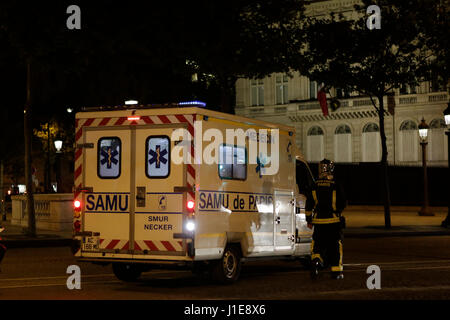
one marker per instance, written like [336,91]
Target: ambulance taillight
[190,226]
[133,118]
[190,205]
[77,205]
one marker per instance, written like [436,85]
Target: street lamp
[58,146]
[423,134]
[446,222]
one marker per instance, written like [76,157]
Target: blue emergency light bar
[192,103]
[134,106]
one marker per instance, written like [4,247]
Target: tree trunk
[28,173]
[384,166]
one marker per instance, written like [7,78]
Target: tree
[343,52]
[233,39]
[33,44]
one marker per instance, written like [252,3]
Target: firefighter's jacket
[325,203]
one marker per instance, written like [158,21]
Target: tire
[228,268]
[126,271]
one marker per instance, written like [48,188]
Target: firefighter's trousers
[327,245]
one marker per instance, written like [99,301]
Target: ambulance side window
[157,157]
[109,157]
[232,162]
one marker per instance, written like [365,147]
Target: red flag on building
[322,97]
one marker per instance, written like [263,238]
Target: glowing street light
[423,134]
[446,222]
[58,145]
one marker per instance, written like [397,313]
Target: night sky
[124,50]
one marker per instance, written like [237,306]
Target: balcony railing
[347,103]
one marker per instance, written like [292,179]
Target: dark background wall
[362,184]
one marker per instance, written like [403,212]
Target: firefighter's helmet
[326,169]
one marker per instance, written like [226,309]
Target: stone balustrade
[52,211]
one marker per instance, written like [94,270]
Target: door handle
[278,220]
[140,196]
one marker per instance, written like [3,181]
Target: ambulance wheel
[228,268]
[126,271]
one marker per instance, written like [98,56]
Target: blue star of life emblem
[158,156]
[109,157]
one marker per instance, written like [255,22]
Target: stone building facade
[350,134]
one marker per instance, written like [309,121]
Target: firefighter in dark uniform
[324,206]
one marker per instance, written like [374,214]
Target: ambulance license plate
[91,244]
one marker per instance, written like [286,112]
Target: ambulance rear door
[107,174]
[160,198]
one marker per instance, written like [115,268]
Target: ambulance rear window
[157,156]
[232,162]
[109,157]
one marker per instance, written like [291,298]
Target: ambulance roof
[149,111]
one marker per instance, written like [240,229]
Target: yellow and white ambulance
[155,184]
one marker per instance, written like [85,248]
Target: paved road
[411,268]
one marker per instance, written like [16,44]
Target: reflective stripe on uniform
[315,255]
[334,200]
[340,267]
[314,196]
[336,269]
[325,221]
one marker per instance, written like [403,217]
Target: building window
[257,92]
[437,141]
[437,85]
[314,144]
[232,162]
[109,157]
[371,143]
[407,89]
[312,89]
[343,144]
[341,93]
[281,89]
[157,156]
[408,141]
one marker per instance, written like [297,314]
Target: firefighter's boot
[337,275]
[315,267]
